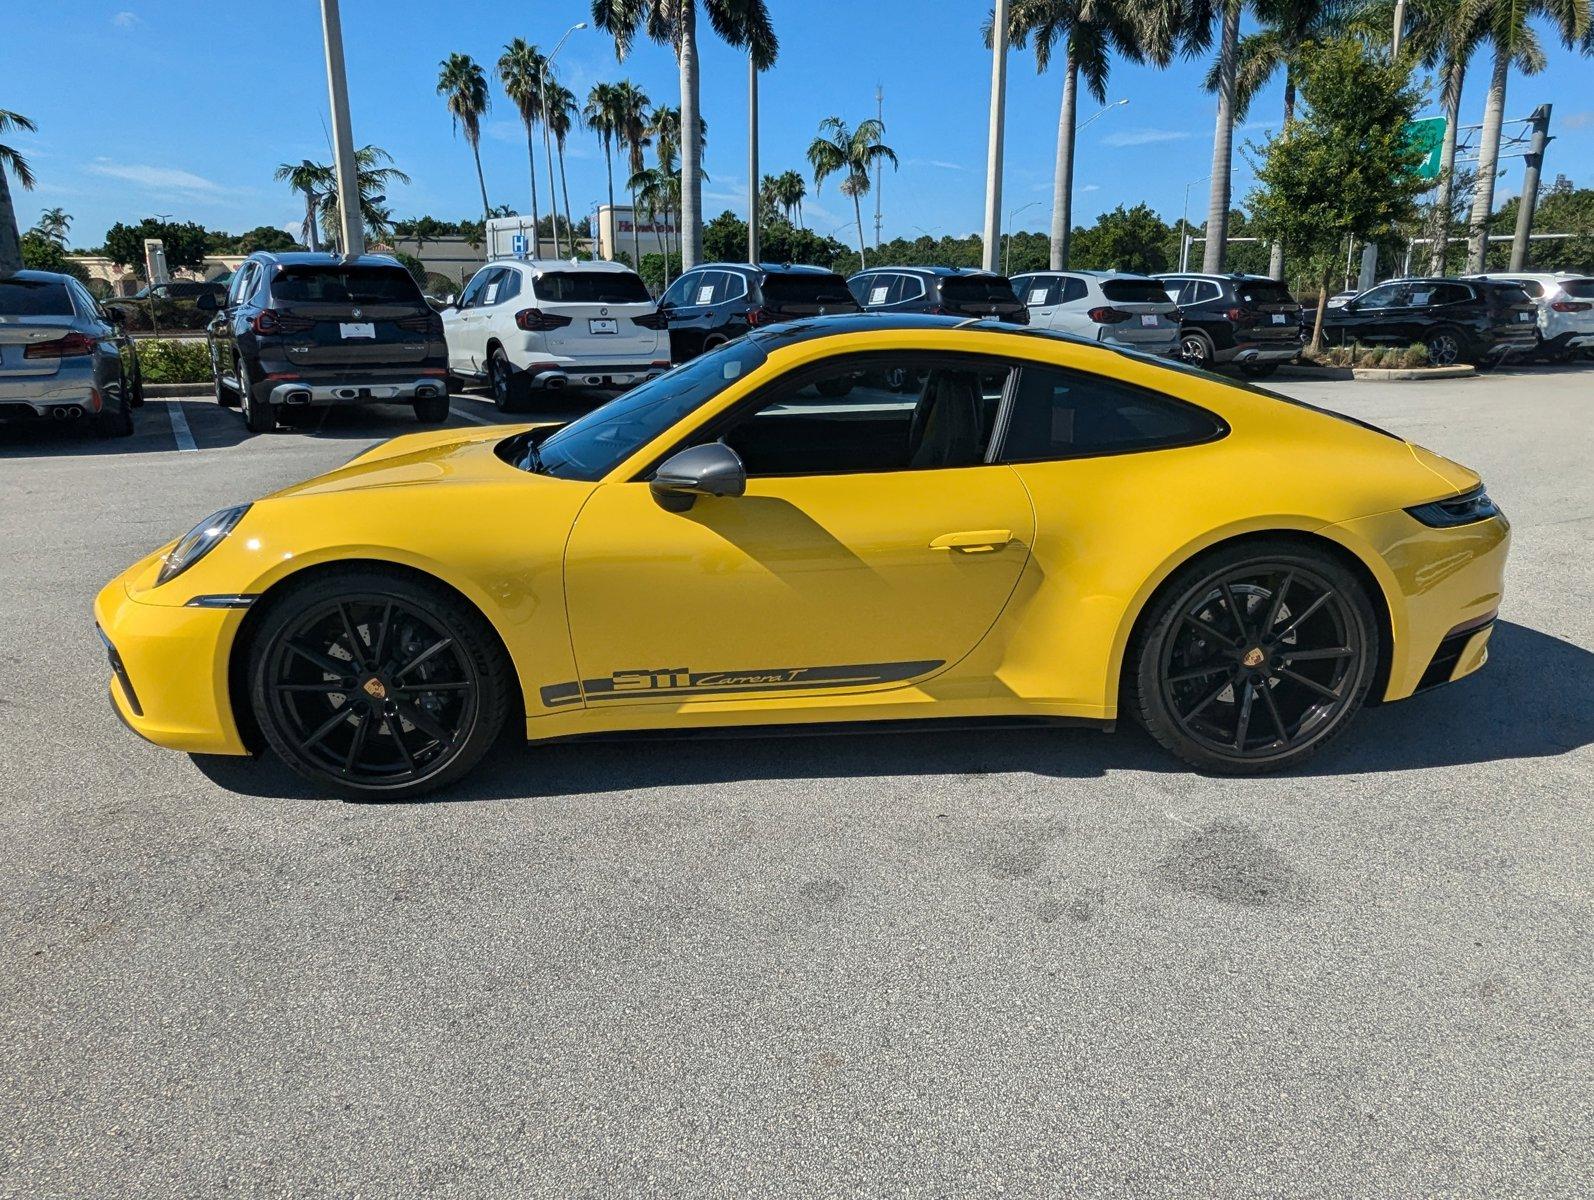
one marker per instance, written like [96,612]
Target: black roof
[807,329]
[940,272]
[307,258]
[31,276]
[1217,276]
[767,268]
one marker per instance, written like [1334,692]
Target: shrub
[1415,356]
[1370,356]
[163,361]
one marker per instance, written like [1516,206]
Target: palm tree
[658,189]
[1090,32]
[632,106]
[1515,43]
[1289,28]
[673,23]
[561,114]
[462,81]
[372,177]
[313,179]
[1200,17]
[854,153]
[785,192]
[520,69]
[603,115]
[53,224]
[11,160]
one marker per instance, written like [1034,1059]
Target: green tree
[851,153]
[53,225]
[605,113]
[186,244]
[463,84]
[1089,33]
[1200,19]
[1344,170]
[311,180]
[1125,239]
[673,23]
[632,105]
[520,70]
[12,162]
[561,114]
[43,253]
[373,174]
[264,237]
[1562,209]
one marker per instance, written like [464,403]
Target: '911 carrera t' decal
[665,681]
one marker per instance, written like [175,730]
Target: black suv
[942,291]
[1250,321]
[1458,320]
[715,302]
[299,330]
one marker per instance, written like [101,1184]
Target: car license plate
[602,325]
[1524,316]
[1149,320]
[357,329]
[1279,318]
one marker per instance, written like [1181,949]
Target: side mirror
[114,315]
[451,300]
[708,470]
[206,302]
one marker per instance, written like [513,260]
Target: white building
[622,229]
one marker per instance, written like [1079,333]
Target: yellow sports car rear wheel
[380,686]
[1255,657]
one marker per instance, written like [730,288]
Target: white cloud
[941,163]
[1144,137]
[1091,187]
[168,179]
[1578,120]
[126,20]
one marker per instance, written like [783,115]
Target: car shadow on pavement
[1506,711]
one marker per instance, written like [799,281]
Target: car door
[1364,318]
[220,333]
[874,546]
[461,325]
[493,313]
[1071,312]
[691,300]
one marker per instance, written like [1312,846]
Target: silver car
[1114,307]
[61,356]
[1566,310]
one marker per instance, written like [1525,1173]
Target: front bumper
[357,390]
[169,668]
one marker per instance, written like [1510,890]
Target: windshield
[591,447]
[592,287]
[345,285]
[992,289]
[34,298]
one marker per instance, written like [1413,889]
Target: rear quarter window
[1060,414]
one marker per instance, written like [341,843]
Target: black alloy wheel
[1444,349]
[1258,661]
[259,415]
[508,391]
[377,686]
[1195,349]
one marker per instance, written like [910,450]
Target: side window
[872,413]
[508,285]
[878,289]
[492,289]
[1382,296]
[676,293]
[241,285]
[703,289]
[473,289]
[1451,293]
[859,285]
[1074,288]
[909,287]
[729,285]
[1207,292]
[1073,414]
[1531,286]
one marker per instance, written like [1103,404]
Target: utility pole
[1369,271]
[993,160]
[1534,163]
[342,133]
[1400,30]
[752,158]
[879,169]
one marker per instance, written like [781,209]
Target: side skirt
[831,728]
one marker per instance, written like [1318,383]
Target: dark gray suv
[942,291]
[300,330]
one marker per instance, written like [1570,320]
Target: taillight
[1571,305]
[421,322]
[270,323]
[1107,315]
[73,345]
[1239,315]
[652,320]
[534,320]
[758,316]
[939,310]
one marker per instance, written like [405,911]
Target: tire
[432,412]
[508,386]
[135,390]
[338,644]
[225,395]
[113,422]
[713,342]
[1258,370]
[259,416]
[1211,690]
[1445,349]
[1196,349]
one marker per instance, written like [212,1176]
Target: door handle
[976,541]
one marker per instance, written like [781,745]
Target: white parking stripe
[465,416]
[180,430]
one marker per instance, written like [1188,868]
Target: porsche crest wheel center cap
[374,688]
[1254,657]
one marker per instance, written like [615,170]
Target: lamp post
[353,229]
[547,143]
[1184,224]
[993,153]
[1102,113]
[1007,245]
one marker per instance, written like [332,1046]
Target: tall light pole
[1102,113]
[993,157]
[752,158]
[1184,224]
[1533,164]
[547,142]
[1400,30]
[1007,243]
[353,228]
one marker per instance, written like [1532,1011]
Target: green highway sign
[1427,135]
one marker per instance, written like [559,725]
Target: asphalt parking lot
[977,963]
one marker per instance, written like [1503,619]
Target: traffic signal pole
[1534,161]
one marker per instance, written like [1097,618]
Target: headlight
[200,541]
[1458,510]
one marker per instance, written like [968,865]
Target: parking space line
[465,416]
[180,431]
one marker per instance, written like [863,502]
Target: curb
[1414,374]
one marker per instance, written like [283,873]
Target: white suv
[1133,311]
[530,324]
[1566,310]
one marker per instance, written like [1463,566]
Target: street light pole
[993,159]
[547,144]
[752,158]
[1533,164]
[1007,242]
[1400,30]
[353,228]
[1184,224]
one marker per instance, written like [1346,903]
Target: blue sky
[183,107]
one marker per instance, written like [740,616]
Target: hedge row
[162,361]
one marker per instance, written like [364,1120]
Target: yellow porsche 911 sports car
[844,519]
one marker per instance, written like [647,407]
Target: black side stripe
[666,681]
